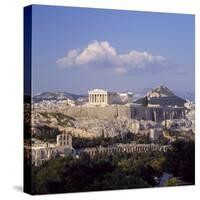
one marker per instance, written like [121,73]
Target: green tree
[171,182]
[180,160]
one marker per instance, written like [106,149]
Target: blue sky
[77,49]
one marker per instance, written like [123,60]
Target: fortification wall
[121,111]
[156,113]
[107,112]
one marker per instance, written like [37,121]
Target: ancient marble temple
[104,97]
[98,97]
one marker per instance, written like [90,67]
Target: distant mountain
[162,96]
[56,96]
[190,96]
[161,91]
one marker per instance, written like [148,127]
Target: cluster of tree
[117,171]
[162,140]
[101,173]
[180,160]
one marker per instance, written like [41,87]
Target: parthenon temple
[98,96]
[103,97]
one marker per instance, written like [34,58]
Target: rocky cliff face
[48,125]
[110,128]
[178,125]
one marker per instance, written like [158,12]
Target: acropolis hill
[102,104]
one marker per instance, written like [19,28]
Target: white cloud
[69,60]
[102,55]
